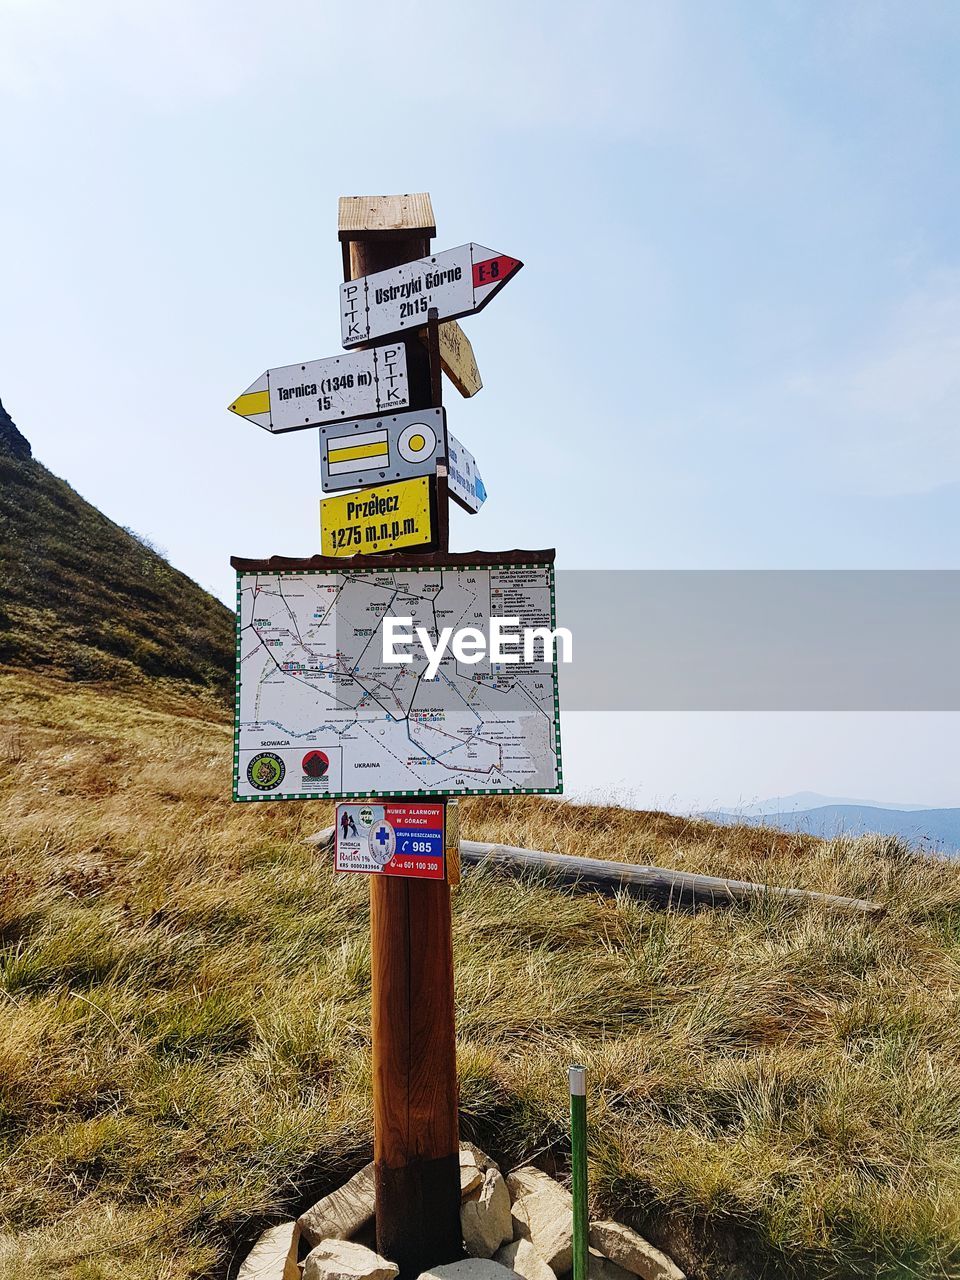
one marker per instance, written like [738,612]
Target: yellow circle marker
[417,441]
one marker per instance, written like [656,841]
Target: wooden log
[658,884]
[661,884]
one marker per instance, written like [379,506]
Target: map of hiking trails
[321,714]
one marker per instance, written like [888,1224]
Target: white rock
[341,1214]
[468,1269]
[601,1268]
[528,1179]
[485,1218]
[471,1173]
[543,1214]
[344,1260]
[631,1252]
[521,1257]
[274,1256]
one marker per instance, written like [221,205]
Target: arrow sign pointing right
[463,479]
[457,282]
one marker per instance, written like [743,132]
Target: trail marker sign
[385,518]
[355,385]
[403,838]
[457,282]
[463,479]
[372,450]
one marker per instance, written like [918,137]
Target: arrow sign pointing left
[457,282]
[356,385]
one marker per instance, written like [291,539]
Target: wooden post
[415,1096]
[433,350]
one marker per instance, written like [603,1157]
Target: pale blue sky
[735,343]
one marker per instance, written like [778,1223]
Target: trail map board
[320,715]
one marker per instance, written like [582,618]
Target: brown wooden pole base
[415,1099]
[428,1232]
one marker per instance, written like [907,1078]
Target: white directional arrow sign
[463,478]
[356,385]
[457,282]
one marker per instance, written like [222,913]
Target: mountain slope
[84,598]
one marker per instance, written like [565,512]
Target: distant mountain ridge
[815,800]
[934,829]
[83,598]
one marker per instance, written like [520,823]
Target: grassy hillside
[86,599]
[184,1040]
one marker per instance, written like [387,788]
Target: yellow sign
[384,518]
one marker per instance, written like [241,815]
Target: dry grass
[184,997]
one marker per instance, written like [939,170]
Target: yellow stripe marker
[251,402]
[358,451]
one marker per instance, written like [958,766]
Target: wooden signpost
[390,444]
[416,1143]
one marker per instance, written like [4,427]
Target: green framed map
[320,714]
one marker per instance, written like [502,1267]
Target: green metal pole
[578,1161]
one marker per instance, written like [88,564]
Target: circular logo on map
[416,442]
[366,817]
[382,843]
[316,764]
[265,771]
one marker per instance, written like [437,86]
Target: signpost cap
[386,217]
[578,1082]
